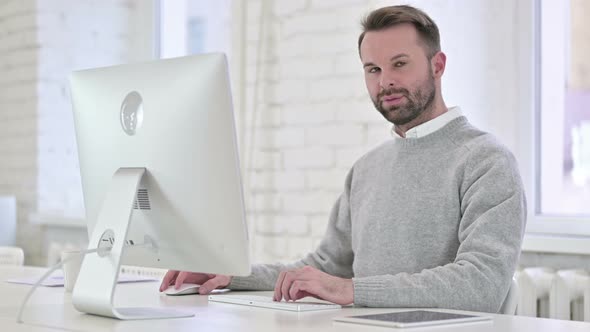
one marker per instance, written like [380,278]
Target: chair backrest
[11,256]
[7,220]
[511,301]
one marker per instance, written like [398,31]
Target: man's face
[398,73]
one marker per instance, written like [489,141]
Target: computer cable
[101,250]
[49,272]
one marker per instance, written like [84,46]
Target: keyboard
[267,302]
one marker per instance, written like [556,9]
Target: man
[433,218]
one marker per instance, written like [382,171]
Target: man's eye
[374,70]
[400,64]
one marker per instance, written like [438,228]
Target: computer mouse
[185,289]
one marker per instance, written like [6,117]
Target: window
[192,27]
[564,109]
[72,36]
[186,27]
[555,120]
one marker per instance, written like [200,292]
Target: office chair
[11,256]
[511,301]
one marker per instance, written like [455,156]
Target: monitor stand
[95,287]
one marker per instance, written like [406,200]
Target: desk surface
[50,309]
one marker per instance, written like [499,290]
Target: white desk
[50,309]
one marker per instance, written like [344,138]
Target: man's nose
[388,80]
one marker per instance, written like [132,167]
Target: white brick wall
[18,125]
[73,37]
[41,42]
[315,118]
[309,157]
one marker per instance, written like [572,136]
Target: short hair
[390,16]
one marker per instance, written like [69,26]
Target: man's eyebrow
[393,58]
[401,55]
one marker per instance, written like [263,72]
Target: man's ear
[438,64]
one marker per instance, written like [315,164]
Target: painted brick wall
[41,42]
[73,37]
[18,108]
[313,118]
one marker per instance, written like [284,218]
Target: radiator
[549,293]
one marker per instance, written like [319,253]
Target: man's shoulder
[376,154]
[479,142]
[484,151]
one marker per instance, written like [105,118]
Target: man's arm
[333,256]
[492,225]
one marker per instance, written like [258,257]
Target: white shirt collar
[431,126]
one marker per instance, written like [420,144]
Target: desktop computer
[160,175]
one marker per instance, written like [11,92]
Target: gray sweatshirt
[435,221]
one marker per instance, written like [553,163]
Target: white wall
[72,37]
[18,106]
[314,117]
[41,42]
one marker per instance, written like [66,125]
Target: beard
[418,102]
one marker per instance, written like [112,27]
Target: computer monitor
[160,175]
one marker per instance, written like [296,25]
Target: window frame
[544,233]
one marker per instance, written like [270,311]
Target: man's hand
[308,281]
[208,282]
